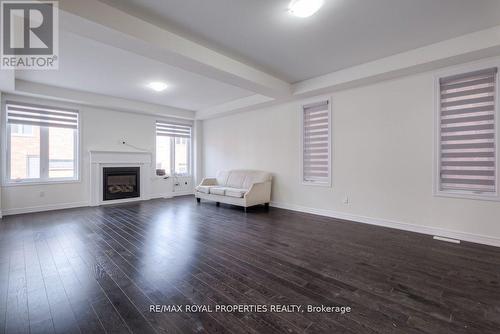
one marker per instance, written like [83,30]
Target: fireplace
[121,183]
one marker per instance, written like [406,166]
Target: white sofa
[238,187]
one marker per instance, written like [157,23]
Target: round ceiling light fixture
[305,8]
[158,86]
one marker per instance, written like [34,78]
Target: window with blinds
[316,141]
[467,139]
[42,143]
[173,148]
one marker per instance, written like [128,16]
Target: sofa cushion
[222,178]
[217,190]
[241,178]
[235,192]
[236,179]
[204,189]
[254,176]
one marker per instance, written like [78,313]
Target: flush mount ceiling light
[158,86]
[305,8]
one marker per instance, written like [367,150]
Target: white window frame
[171,172]
[328,183]
[461,194]
[44,149]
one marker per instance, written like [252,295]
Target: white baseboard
[158,196]
[453,241]
[182,193]
[40,208]
[51,207]
[433,231]
[172,194]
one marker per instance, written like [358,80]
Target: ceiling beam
[233,106]
[470,47]
[106,24]
[459,50]
[28,88]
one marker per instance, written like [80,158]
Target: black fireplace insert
[121,183]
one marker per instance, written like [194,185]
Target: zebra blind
[467,132]
[316,143]
[173,130]
[30,114]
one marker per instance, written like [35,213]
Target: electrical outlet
[42,193]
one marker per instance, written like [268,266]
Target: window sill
[469,196]
[39,183]
[317,184]
[160,177]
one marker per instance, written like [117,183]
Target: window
[467,155]
[21,130]
[42,143]
[316,144]
[173,148]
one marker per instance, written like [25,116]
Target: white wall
[383,141]
[101,129]
[1,214]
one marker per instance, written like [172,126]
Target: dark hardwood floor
[98,270]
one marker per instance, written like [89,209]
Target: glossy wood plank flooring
[98,270]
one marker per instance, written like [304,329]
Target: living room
[250,166]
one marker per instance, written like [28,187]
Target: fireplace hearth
[121,183]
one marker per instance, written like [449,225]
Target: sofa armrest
[208,182]
[259,192]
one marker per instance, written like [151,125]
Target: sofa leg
[217,203]
[245,209]
[266,205]
[198,200]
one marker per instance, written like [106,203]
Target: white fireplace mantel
[97,157]
[101,159]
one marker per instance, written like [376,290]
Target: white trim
[121,201]
[63,206]
[38,183]
[453,241]
[463,69]
[162,195]
[182,193]
[102,159]
[464,236]
[41,208]
[304,103]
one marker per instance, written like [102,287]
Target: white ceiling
[343,34]
[90,66]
